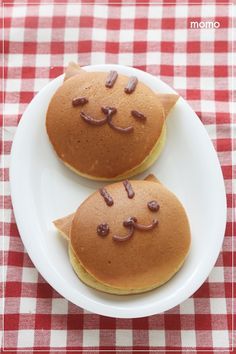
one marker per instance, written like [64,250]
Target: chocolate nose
[130,221]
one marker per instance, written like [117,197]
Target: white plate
[43,189]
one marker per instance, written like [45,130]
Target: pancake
[105,133]
[132,257]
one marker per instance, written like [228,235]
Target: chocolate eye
[131,85]
[111,78]
[103,230]
[138,115]
[153,205]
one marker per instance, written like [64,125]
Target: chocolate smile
[132,224]
[109,113]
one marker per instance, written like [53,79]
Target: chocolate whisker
[138,115]
[79,101]
[88,119]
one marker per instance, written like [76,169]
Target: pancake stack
[129,237]
[107,126]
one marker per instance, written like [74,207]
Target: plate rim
[85,302]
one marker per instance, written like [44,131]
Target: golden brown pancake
[141,246]
[104,132]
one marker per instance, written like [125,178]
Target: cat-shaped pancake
[129,237]
[105,125]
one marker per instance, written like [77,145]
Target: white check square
[19,11]
[220,339]
[100,11]
[187,307]
[207,59]
[46,10]
[71,34]
[188,338]
[91,338]
[128,12]
[124,337]
[218,306]
[99,34]
[97,58]
[181,11]
[58,338]
[13,85]
[43,60]
[59,306]
[179,82]
[126,59]
[180,59]
[44,35]
[25,338]
[154,35]
[126,35]
[216,275]
[29,275]
[155,11]
[27,305]
[16,34]
[15,60]
[157,338]
[73,10]
[153,58]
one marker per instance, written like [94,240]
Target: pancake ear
[72,70]
[168,101]
[151,178]
[63,225]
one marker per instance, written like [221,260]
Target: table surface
[39,40]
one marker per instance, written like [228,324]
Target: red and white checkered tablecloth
[39,40]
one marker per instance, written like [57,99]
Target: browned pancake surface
[149,258]
[100,151]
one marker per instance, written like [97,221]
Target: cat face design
[166,100]
[109,111]
[131,223]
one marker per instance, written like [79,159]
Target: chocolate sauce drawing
[128,189]
[153,205]
[90,120]
[138,115]
[111,79]
[110,111]
[106,196]
[131,85]
[79,101]
[103,230]
[132,223]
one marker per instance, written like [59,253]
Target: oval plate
[43,189]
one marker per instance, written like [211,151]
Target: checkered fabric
[39,40]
